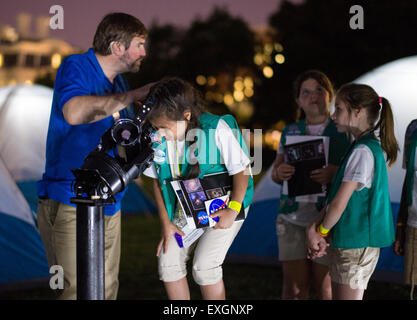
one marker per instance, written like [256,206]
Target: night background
[243,56]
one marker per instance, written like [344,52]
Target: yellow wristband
[323,230]
[235,206]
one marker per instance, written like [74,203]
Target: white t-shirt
[233,156]
[360,167]
[412,210]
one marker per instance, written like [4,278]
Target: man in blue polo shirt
[90,93]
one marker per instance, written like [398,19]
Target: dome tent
[24,120]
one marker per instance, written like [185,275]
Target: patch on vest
[159,156]
[156,138]
[293,130]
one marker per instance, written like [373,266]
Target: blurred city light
[56,60]
[268,72]
[258,59]
[201,80]
[248,92]
[238,85]
[238,95]
[248,82]
[279,58]
[228,99]
[272,138]
[211,81]
[278,47]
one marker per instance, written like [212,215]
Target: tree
[317,34]
[218,48]
[221,43]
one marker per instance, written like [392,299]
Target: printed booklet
[306,156]
[198,199]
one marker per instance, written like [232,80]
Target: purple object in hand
[179,240]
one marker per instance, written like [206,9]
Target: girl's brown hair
[171,98]
[357,96]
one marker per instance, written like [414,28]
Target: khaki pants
[353,266]
[210,252]
[57,226]
[292,242]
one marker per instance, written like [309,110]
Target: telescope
[96,183]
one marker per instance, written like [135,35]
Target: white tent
[24,117]
[257,240]
[396,81]
[24,120]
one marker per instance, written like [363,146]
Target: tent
[24,119]
[257,240]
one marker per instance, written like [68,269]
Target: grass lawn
[139,279]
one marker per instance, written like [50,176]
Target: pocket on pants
[281,226]
[47,210]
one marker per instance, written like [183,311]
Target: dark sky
[82,16]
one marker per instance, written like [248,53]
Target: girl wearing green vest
[313,92]
[191,143]
[358,216]
[406,234]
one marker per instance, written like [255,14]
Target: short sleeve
[232,154]
[360,167]
[71,81]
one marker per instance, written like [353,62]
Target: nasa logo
[202,217]
[216,204]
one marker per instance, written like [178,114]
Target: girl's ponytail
[357,96]
[386,131]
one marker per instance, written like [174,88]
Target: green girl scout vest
[207,154]
[338,145]
[367,220]
[410,146]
